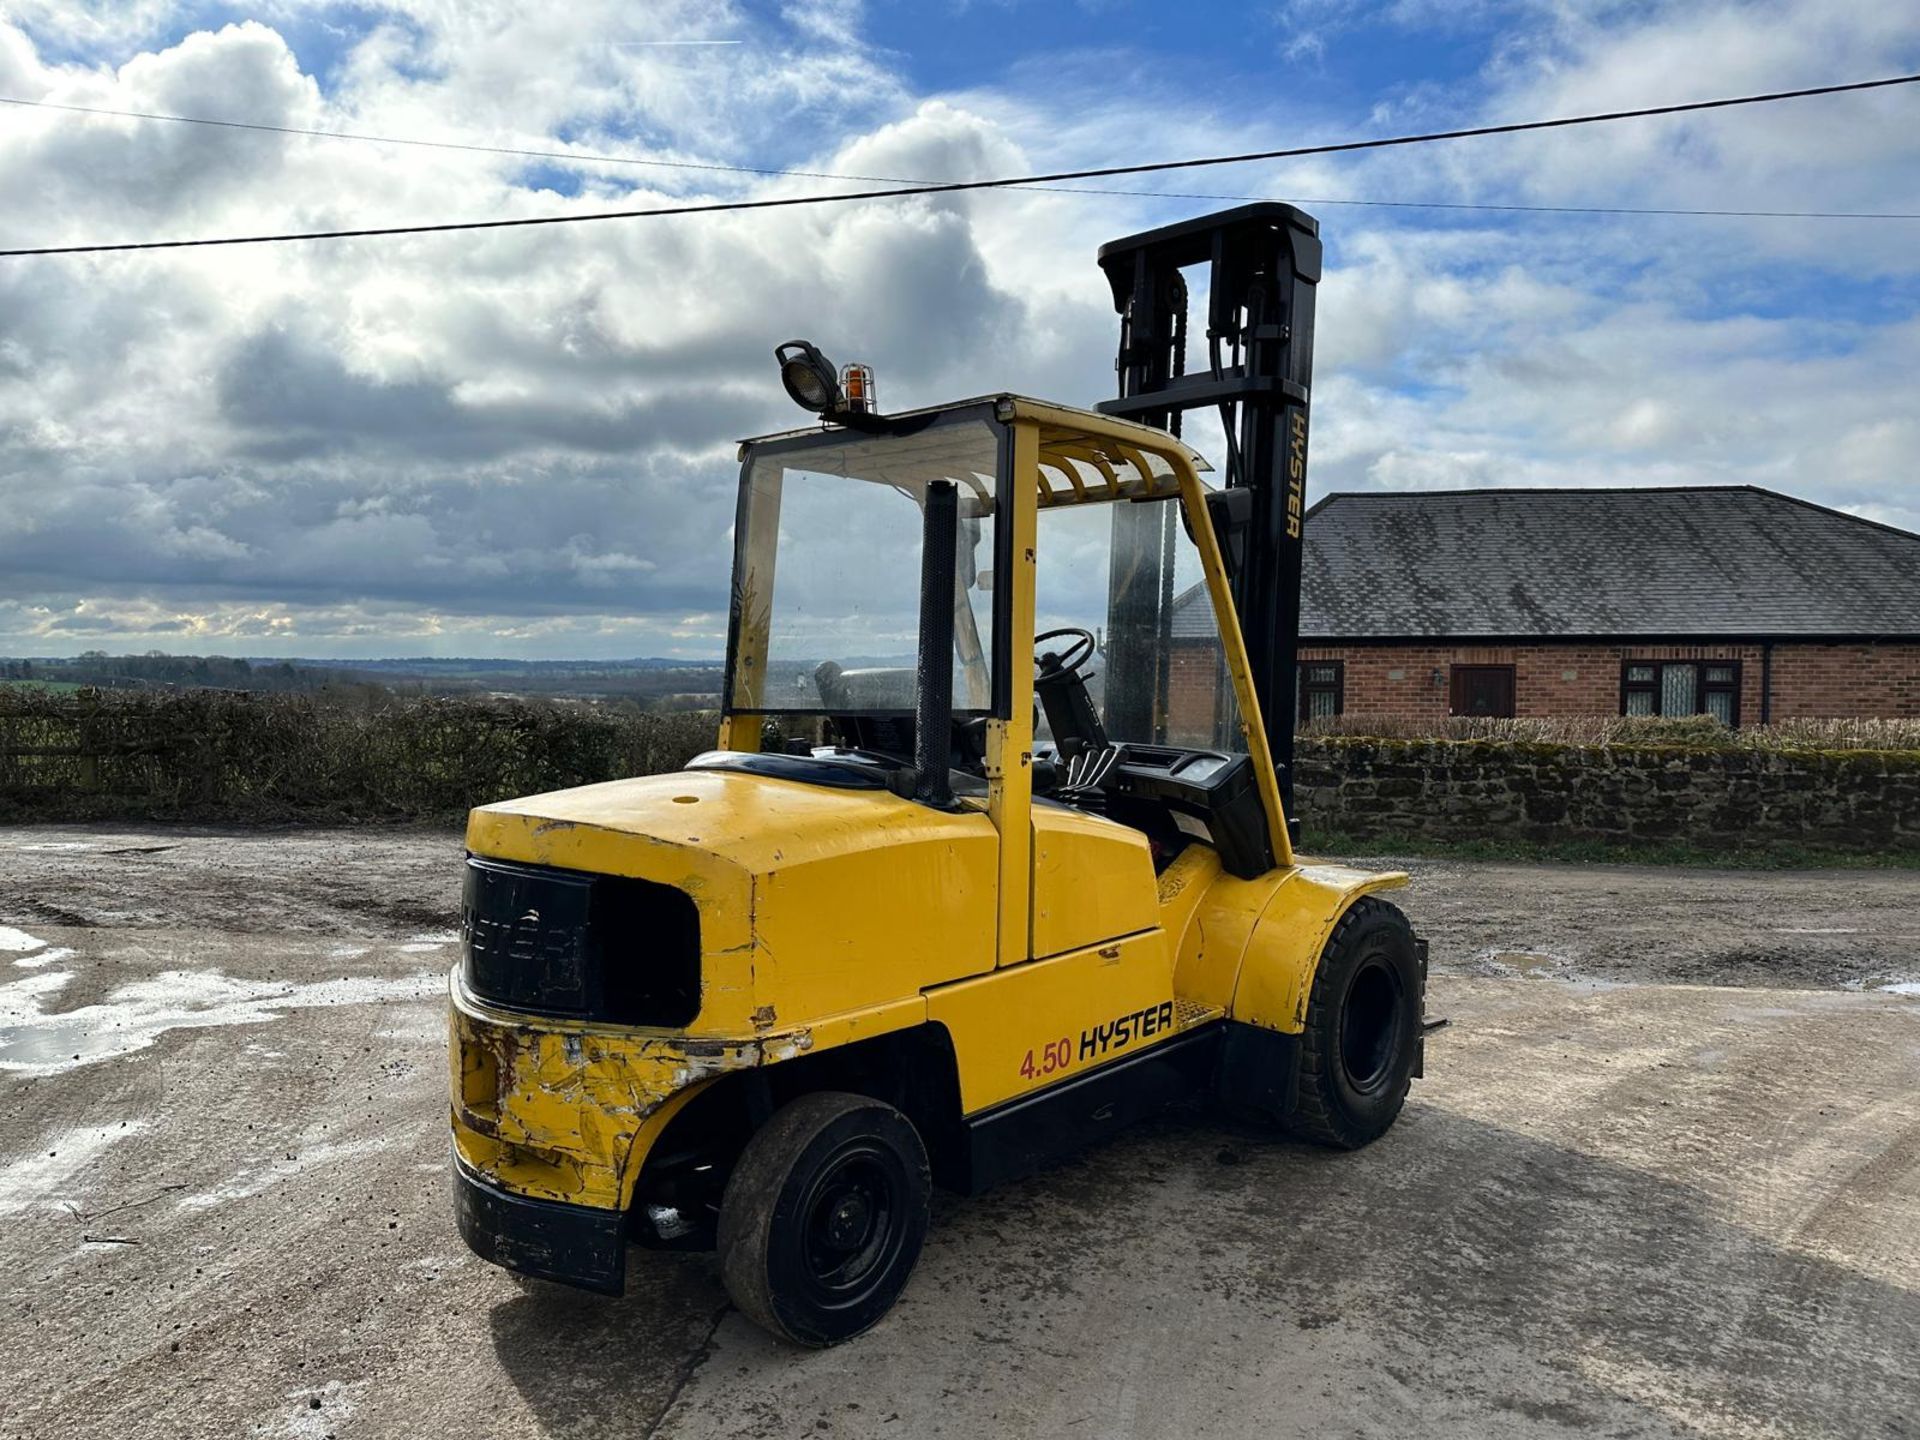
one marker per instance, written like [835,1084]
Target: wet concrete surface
[1622,1203]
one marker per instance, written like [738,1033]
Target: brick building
[1730,601]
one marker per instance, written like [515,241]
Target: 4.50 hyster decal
[1098,1040]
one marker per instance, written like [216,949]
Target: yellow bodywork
[1038,937]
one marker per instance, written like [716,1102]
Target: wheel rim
[850,1223]
[1370,1026]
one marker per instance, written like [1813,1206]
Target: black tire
[823,1217]
[1363,1028]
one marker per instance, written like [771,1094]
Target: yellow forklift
[1016,871]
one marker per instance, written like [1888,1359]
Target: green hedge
[217,755]
[1697,731]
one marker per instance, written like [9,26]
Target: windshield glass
[827,612]
[1128,573]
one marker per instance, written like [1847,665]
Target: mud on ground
[1662,1179]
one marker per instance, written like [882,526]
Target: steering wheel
[1076,654]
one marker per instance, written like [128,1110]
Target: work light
[809,376]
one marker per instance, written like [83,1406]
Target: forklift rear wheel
[1363,1028]
[823,1217]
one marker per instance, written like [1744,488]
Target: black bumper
[572,1244]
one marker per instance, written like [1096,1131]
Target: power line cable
[578,157]
[1525,209]
[960,186]
[589,157]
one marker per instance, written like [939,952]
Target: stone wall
[1857,800]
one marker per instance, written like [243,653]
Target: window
[1483,690]
[826,606]
[1129,574]
[1323,688]
[1681,687]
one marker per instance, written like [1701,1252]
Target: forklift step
[1190,1013]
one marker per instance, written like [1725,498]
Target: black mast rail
[1263,267]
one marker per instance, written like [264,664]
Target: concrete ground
[1623,1202]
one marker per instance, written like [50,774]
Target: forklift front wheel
[823,1217]
[1363,1028]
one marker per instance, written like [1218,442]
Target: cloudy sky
[521,443]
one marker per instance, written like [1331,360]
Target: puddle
[1532,964]
[1905,987]
[135,1015]
[44,1179]
[58,845]
[44,957]
[18,941]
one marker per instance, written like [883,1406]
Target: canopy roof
[1085,457]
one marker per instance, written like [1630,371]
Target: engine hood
[710,820]
[812,899]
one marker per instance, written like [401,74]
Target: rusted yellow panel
[1092,880]
[862,1024]
[1276,973]
[1005,1025]
[563,1112]
[566,1110]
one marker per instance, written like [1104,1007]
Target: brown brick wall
[1192,681]
[1841,681]
[1808,680]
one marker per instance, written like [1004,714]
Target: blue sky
[522,444]
[1242,53]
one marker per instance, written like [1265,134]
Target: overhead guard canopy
[1085,457]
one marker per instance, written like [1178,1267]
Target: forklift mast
[1263,264]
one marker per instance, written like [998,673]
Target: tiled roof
[1721,561]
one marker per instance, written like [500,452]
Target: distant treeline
[156,670]
[231,755]
[657,684]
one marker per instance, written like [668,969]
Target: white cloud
[523,439]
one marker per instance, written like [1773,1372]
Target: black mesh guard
[599,947]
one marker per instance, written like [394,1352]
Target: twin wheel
[826,1210]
